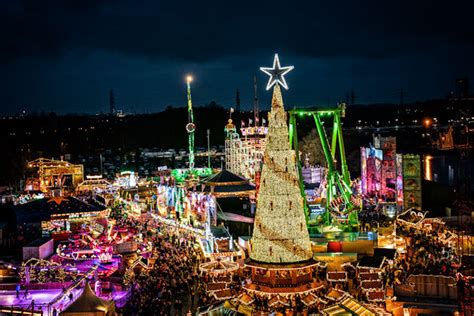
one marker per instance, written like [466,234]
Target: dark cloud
[65,54]
[197,30]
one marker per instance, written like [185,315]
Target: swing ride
[338,199]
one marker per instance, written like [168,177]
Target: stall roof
[371,262]
[227,184]
[224,177]
[38,242]
[87,303]
[348,307]
[219,232]
[42,209]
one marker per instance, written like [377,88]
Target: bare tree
[310,146]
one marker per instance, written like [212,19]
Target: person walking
[179,306]
[193,294]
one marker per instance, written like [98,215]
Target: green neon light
[181,175]
[190,126]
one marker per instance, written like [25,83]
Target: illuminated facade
[391,177]
[379,169]
[53,174]
[186,205]
[371,171]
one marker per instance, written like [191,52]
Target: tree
[310,145]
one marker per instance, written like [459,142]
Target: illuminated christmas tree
[280,260]
[280,234]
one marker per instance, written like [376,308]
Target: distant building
[390,177]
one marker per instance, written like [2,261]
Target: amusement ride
[340,202]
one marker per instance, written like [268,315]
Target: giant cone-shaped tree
[280,234]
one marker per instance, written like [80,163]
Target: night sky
[64,56]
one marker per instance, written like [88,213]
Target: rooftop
[38,242]
[42,209]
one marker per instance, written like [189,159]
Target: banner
[411,181]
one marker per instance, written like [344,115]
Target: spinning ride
[101,242]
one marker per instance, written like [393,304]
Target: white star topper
[277,73]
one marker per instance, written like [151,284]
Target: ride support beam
[334,138]
[291,134]
[330,190]
[324,143]
[344,168]
[293,137]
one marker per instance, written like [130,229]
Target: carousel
[102,242]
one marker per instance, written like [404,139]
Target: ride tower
[190,127]
[341,204]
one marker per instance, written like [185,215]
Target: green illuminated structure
[181,175]
[190,175]
[190,127]
[338,179]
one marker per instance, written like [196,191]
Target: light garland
[285,294]
[336,276]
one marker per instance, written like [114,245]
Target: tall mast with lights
[190,127]
[255,102]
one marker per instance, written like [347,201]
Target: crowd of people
[371,218]
[174,285]
[171,286]
[426,253]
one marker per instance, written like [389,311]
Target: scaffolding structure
[244,155]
